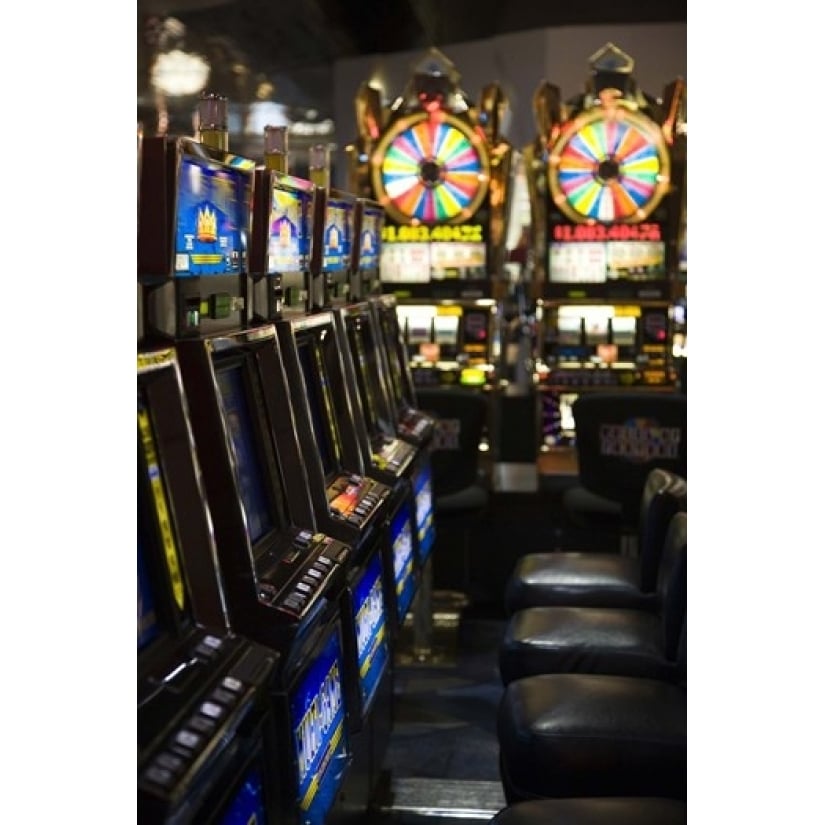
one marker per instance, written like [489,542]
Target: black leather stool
[609,640]
[627,810]
[594,735]
[603,579]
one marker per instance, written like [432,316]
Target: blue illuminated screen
[212,219]
[288,249]
[337,235]
[403,556]
[250,473]
[424,515]
[370,630]
[147,620]
[319,732]
[370,240]
[247,808]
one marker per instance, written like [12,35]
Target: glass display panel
[424,515]
[319,732]
[337,235]
[247,807]
[370,630]
[147,619]
[402,546]
[289,241]
[238,418]
[320,409]
[212,218]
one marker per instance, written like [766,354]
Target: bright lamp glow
[177,73]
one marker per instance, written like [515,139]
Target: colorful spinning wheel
[611,166]
[430,168]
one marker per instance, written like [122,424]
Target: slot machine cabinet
[608,197]
[352,505]
[279,573]
[193,227]
[207,746]
[349,502]
[388,457]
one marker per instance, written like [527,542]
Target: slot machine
[309,226]
[349,502]
[207,749]
[285,584]
[438,165]
[305,592]
[608,193]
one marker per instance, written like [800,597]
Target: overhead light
[178,73]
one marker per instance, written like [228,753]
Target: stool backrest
[461,418]
[671,586]
[664,494]
[622,436]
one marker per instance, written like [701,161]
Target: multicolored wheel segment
[610,166]
[430,168]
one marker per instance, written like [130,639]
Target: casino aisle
[441,763]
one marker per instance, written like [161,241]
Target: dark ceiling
[290,46]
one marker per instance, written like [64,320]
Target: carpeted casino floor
[441,763]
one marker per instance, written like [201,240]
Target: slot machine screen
[369,238]
[369,378]
[147,619]
[424,514]
[212,218]
[159,613]
[403,555]
[247,806]
[321,407]
[247,436]
[289,236]
[370,630]
[319,732]
[394,347]
[338,222]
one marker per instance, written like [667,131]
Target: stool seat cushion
[584,640]
[576,579]
[628,810]
[583,735]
